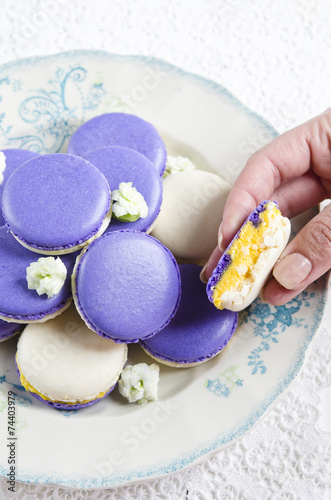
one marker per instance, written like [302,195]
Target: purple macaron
[198,331]
[8,330]
[120,164]
[120,129]
[56,203]
[17,302]
[14,158]
[126,286]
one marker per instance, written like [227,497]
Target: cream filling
[175,364]
[42,320]
[66,399]
[274,241]
[104,225]
[74,290]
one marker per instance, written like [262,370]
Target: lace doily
[274,56]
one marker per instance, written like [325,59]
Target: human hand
[295,170]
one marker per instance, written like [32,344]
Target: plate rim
[143,59]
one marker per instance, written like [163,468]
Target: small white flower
[139,383]
[129,203]
[2,166]
[176,164]
[47,275]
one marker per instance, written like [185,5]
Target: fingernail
[292,270]
[202,274]
[220,238]
[262,297]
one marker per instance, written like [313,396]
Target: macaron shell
[17,302]
[55,202]
[176,364]
[126,286]
[14,159]
[8,330]
[120,164]
[198,331]
[191,213]
[120,129]
[64,406]
[66,362]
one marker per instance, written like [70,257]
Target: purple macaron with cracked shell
[13,158]
[17,302]
[8,330]
[197,332]
[120,164]
[57,203]
[126,286]
[120,129]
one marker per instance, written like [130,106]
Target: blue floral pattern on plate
[226,381]
[270,321]
[51,113]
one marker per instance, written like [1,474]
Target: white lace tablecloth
[276,58]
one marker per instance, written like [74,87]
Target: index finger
[287,157]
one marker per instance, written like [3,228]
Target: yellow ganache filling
[28,387]
[244,251]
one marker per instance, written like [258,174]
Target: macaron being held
[246,264]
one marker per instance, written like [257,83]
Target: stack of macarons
[57,227]
[76,226]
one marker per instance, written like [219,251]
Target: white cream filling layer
[2,166]
[104,225]
[42,320]
[175,364]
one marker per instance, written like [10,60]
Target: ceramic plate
[201,409]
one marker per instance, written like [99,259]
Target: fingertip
[275,294]
[207,270]
[203,275]
[262,296]
[220,238]
[233,220]
[292,270]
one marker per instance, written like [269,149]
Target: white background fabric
[276,58]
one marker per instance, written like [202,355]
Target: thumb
[305,259]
